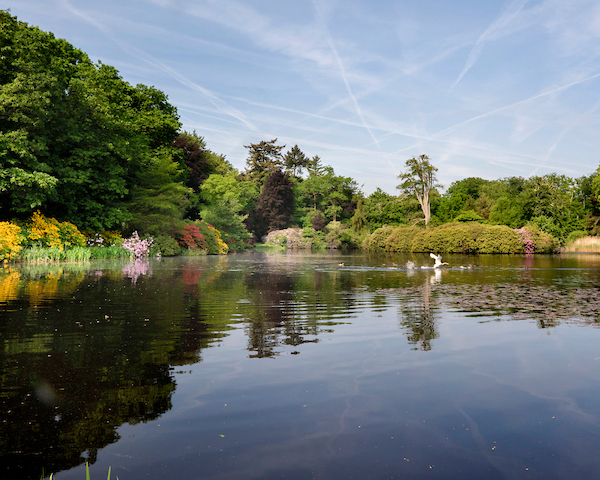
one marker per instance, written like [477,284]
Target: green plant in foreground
[87,473]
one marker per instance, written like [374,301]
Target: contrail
[343,73]
[506,17]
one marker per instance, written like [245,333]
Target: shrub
[215,244]
[192,238]
[499,239]
[468,216]
[49,232]
[457,237]
[10,240]
[376,241]
[576,235]
[138,247]
[167,246]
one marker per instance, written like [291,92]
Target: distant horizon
[499,90]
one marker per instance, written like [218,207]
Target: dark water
[291,366]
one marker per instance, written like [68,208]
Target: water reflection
[87,348]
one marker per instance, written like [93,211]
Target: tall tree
[263,159]
[419,180]
[275,204]
[295,160]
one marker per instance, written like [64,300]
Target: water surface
[294,366]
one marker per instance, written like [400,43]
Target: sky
[485,88]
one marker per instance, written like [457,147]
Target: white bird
[410,265]
[438,261]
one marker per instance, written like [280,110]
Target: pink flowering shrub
[290,238]
[526,239]
[139,248]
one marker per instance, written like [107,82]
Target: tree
[73,134]
[295,160]
[227,201]
[263,159]
[275,204]
[419,180]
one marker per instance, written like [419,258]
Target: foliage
[215,244]
[72,132]
[138,247]
[295,161]
[274,206]
[49,232]
[419,180]
[526,239]
[460,237]
[575,235]
[166,245]
[339,235]
[263,159]
[289,238]
[192,238]
[468,216]
[10,240]
[159,200]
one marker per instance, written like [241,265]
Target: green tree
[419,180]
[263,159]
[295,161]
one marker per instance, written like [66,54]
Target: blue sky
[484,88]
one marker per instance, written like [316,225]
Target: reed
[109,252]
[42,254]
[588,243]
[87,473]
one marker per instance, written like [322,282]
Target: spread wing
[436,257]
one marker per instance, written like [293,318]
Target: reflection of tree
[419,315]
[84,352]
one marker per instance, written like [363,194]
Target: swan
[438,261]
[410,265]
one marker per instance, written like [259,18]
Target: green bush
[375,242]
[457,237]
[167,245]
[499,239]
[576,235]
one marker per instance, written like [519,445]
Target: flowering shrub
[95,241]
[107,238]
[10,240]
[192,238]
[49,232]
[223,248]
[139,248]
[290,238]
[526,239]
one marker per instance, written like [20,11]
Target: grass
[73,254]
[584,244]
[87,473]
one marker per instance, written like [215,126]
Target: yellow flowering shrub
[10,240]
[49,232]
[223,248]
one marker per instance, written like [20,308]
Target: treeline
[80,144]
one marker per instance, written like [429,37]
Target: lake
[302,366]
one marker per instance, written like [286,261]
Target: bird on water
[438,261]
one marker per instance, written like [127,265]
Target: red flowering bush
[192,238]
